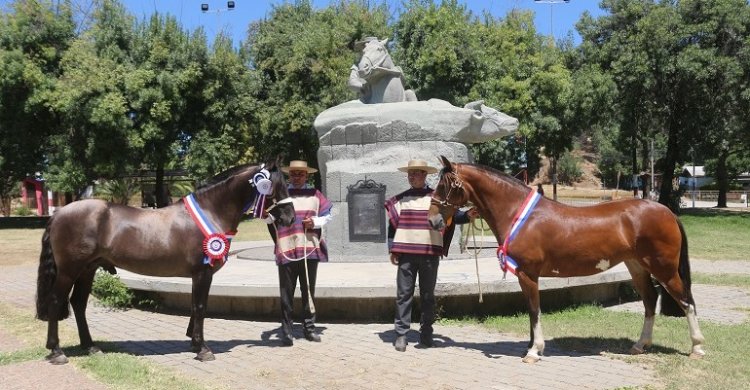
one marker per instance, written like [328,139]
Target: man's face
[417,178]
[298,178]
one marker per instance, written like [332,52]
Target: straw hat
[418,164]
[298,165]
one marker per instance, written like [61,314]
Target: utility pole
[551,3]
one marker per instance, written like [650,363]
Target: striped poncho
[290,242]
[407,213]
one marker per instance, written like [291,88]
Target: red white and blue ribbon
[506,262]
[215,243]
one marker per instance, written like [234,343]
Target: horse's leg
[645,288]
[79,300]
[201,285]
[57,310]
[189,332]
[530,288]
[675,288]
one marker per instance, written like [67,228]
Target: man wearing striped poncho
[298,244]
[416,249]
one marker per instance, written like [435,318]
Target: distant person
[299,241]
[416,249]
[539,189]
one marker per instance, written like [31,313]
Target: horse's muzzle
[437,222]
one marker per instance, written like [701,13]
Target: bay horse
[88,234]
[557,240]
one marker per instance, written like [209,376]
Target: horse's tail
[669,306]
[46,279]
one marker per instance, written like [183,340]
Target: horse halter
[373,65]
[454,183]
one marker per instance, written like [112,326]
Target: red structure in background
[34,196]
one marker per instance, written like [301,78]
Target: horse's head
[449,196]
[281,207]
[374,56]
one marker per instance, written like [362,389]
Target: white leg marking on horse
[695,334]
[537,348]
[646,336]
[603,264]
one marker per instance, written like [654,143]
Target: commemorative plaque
[366,213]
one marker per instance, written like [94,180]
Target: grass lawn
[717,234]
[592,329]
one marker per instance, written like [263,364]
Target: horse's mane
[502,175]
[224,176]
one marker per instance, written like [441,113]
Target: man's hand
[472,213]
[308,223]
[394,258]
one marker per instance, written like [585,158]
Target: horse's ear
[446,164]
[384,41]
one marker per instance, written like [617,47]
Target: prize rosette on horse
[216,246]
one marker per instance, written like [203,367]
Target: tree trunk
[554,178]
[161,192]
[670,160]
[5,205]
[634,180]
[722,177]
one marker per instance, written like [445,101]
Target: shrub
[110,291]
[23,211]
[568,169]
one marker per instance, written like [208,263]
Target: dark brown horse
[557,240]
[89,234]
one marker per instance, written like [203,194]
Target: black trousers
[288,275]
[409,267]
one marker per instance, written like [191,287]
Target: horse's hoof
[636,351]
[94,350]
[57,358]
[697,355]
[205,356]
[531,359]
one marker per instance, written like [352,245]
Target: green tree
[719,31]
[92,106]
[33,38]
[221,138]
[164,92]
[677,74]
[302,56]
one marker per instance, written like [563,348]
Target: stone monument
[363,142]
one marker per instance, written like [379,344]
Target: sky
[553,16]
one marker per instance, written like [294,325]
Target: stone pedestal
[360,142]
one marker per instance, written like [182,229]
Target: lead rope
[307,275]
[472,232]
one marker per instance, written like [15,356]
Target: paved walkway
[351,356]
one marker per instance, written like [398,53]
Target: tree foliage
[33,38]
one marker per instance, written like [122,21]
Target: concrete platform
[249,287]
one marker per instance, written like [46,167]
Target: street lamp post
[206,9]
[551,3]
